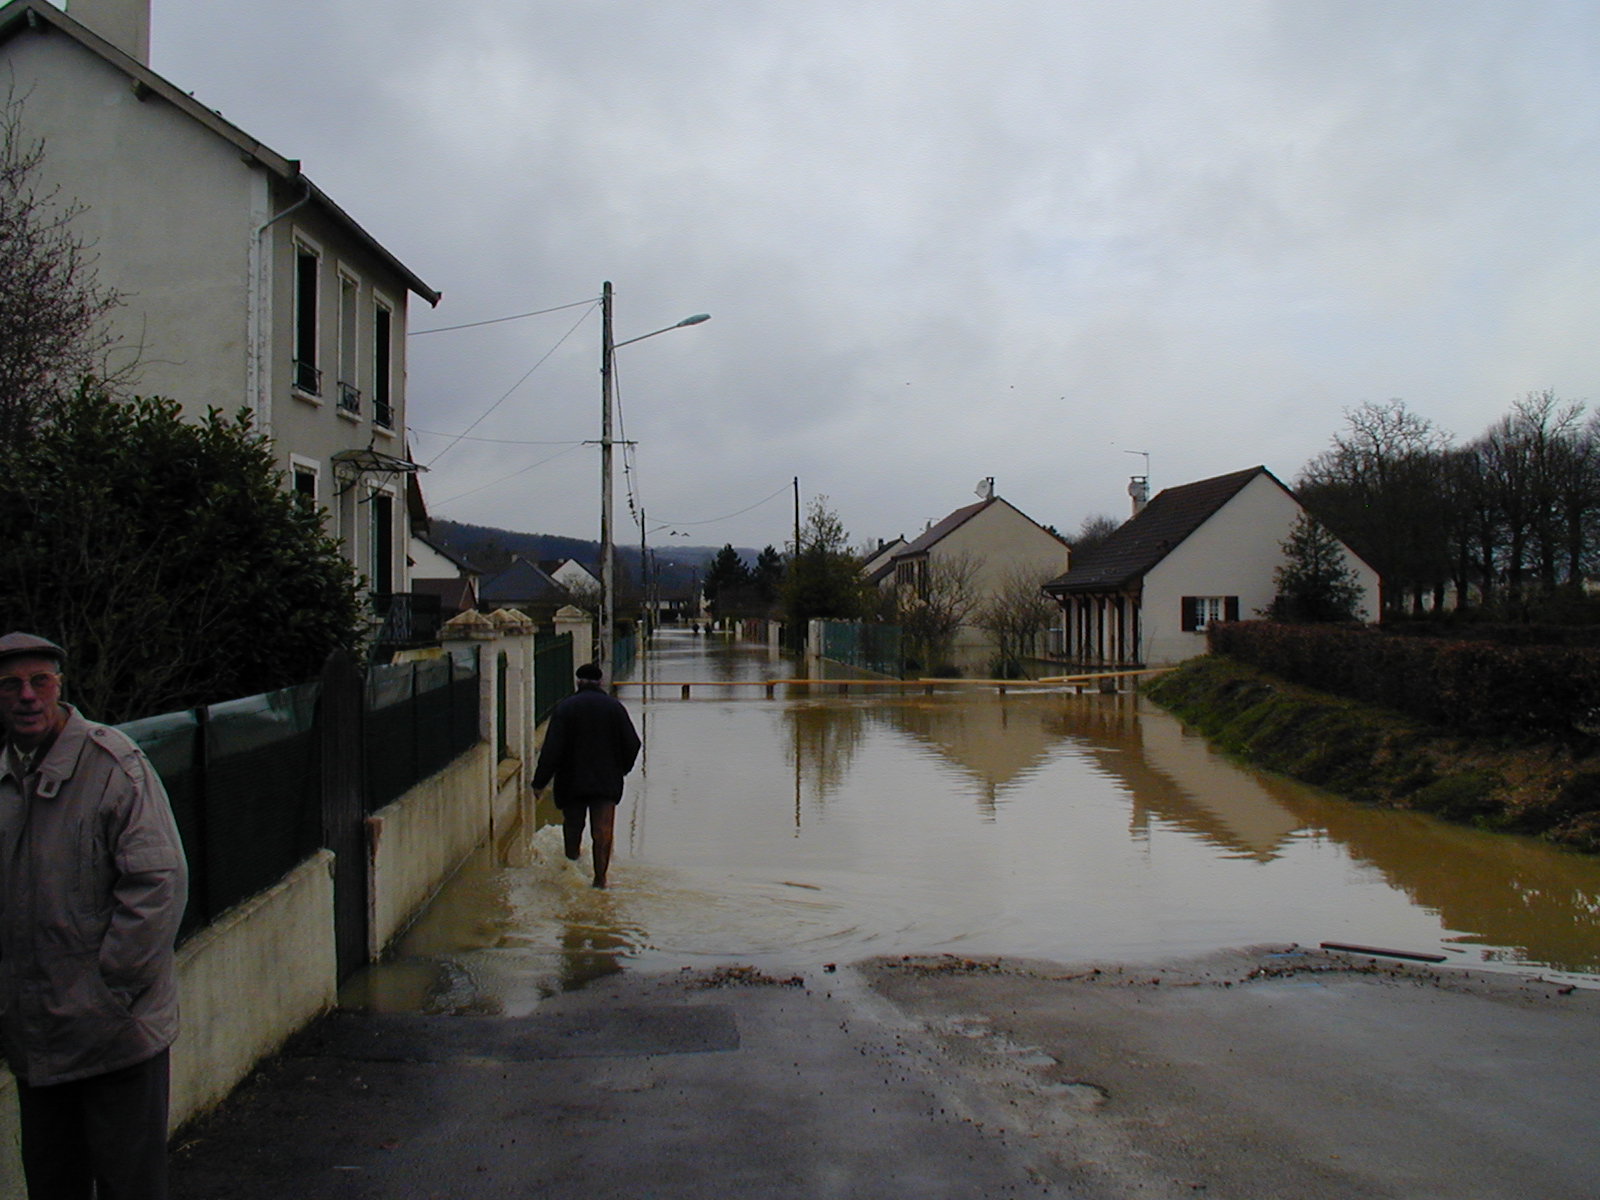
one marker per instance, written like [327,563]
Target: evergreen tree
[824,578]
[727,581]
[1315,582]
[768,574]
[167,557]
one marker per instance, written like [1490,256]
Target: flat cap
[589,671]
[15,644]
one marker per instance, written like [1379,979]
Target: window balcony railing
[383,414]
[349,397]
[404,619]
[307,377]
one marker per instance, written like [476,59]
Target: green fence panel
[869,647]
[173,744]
[245,777]
[262,807]
[552,672]
[624,650]
[464,714]
[390,746]
[431,725]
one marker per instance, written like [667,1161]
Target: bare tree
[939,596]
[1541,462]
[1474,527]
[1016,613]
[1096,528]
[585,596]
[1380,488]
[53,310]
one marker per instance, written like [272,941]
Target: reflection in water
[1178,779]
[816,827]
[990,739]
[821,746]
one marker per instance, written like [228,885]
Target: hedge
[1479,688]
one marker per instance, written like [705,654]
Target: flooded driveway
[810,828]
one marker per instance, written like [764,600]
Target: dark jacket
[92,889]
[589,746]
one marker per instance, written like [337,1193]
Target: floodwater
[812,828]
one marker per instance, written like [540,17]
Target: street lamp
[608,574]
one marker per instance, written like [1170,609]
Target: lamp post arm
[694,320]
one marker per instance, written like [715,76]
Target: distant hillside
[487,548]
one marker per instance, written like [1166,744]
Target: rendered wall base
[417,842]
[510,796]
[234,1013]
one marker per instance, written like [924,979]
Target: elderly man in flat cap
[92,889]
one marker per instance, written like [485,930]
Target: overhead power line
[503,478]
[498,320]
[461,437]
[451,444]
[729,516]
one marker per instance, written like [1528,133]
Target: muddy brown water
[814,828]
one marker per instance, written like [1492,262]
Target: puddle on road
[808,829]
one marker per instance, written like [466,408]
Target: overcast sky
[939,239]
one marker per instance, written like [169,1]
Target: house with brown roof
[989,545]
[878,565]
[1205,551]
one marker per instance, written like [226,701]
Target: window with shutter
[1200,611]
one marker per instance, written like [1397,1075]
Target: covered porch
[1100,628]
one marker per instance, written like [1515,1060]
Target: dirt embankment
[1379,757]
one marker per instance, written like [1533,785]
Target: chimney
[123,23]
[1139,489]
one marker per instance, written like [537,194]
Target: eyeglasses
[11,685]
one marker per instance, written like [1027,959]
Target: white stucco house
[572,575]
[997,541]
[244,284]
[1202,552]
[437,570]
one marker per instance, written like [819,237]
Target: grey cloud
[946,239]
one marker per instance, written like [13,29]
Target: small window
[305,485]
[382,366]
[349,299]
[304,476]
[382,548]
[1201,611]
[307,279]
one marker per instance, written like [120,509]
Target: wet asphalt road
[694,1085]
[1263,1073]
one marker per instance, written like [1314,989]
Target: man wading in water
[589,746]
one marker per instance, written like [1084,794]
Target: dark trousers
[108,1131]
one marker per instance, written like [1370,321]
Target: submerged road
[1254,1074]
[737,1015]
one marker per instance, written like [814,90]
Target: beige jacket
[93,884]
